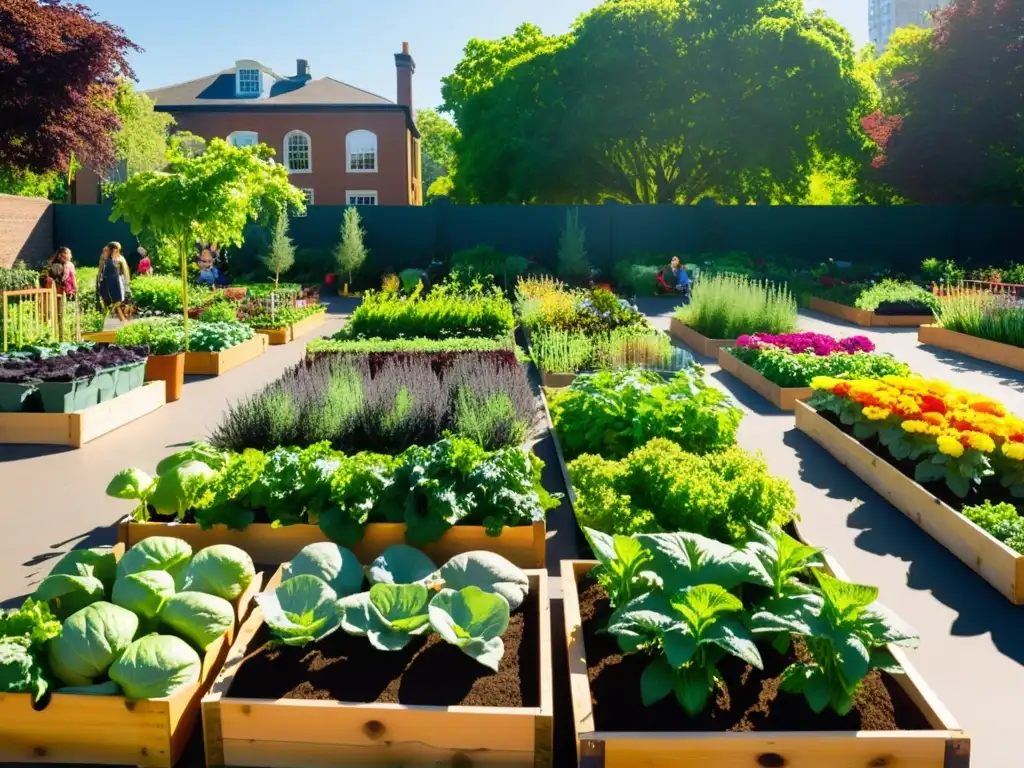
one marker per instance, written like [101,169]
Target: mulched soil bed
[428,672]
[752,701]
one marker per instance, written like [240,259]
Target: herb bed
[626,733]
[973,346]
[345,702]
[867,318]
[995,562]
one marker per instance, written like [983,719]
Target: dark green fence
[402,237]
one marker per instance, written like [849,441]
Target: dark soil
[749,701]
[428,672]
[903,308]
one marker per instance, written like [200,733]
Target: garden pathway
[972,649]
[972,639]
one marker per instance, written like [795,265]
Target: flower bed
[76,378]
[654,683]
[424,671]
[403,401]
[418,496]
[109,658]
[954,462]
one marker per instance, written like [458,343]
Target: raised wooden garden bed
[556,380]
[112,730]
[702,345]
[783,398]
[941,745]
[77,428]
[421,730]
[524,545]
[278,336]
[1006,355]
[101,337]
[216,363]
[865,317]
[996,563]
[169,369]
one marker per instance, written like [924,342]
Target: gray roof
[219,90]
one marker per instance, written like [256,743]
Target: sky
[350,41]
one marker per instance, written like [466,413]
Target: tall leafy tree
[437,145]
[59,71]
[141,141]
[280,255]
[956,135]
[661,101]
[210,197]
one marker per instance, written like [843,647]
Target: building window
[361,152]
[362,197]
[244,138]
[308,194]
[249,82]
[298,157]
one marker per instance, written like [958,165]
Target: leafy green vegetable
[109,688]
[98,562]
[90,641]
[400,564]
[487,571]
[130,483]
[389,615]
[33,620]
[143,593]
[156,666]
[181,488]
[20,670]
[198,451]
[222,570]
[335,565]
[157,553]
[198,617]
[789,369]
[66,594]
[621,560]
[473,621]
[301,610]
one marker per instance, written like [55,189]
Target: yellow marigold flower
[935,419]
[950,446]
[978,441]
[823,382]
[1014,451]
[939,388]
[907,404]
[875,413]
[916,427]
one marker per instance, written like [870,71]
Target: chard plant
[621,560]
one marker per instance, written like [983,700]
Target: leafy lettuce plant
[473,621]
[24,633]
[80,578]
[156,666]
[389,615]
[846,632]
[301,610]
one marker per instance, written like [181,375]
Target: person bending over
[673,279]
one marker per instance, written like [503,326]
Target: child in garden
[145,266]
[70,282]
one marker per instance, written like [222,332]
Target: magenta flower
[816,343]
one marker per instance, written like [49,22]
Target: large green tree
[141,141]
[955,134]
[209,197]
[437,146]
[660,101]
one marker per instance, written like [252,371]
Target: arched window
[361,152]
[243,138]
[298,152]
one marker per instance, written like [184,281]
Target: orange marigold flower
[842,389]
[933,404]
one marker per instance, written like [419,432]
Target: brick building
[342,145]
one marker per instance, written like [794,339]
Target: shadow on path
[745,396]
[967,364]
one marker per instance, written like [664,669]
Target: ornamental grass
[728,306]
[996,317]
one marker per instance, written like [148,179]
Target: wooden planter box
[306,325]
[996,563]
[1006,355]
[945,747]
[867,318]
[112,730]
[77,428]
[170,369]
[297,734]
[556,380]
[702,345]
[783,398]
[216,363]
[523,545]
[101,337]
[276,336]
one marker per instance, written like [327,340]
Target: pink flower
[806,341]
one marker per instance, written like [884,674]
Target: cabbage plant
[473,621]
[302,610]
[389,615]
[157,553]
[334,564]
[156,666]
[222,570]
[90,641]
[198,617]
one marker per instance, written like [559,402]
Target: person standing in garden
[145,265]
[673,279]
[112,280]
[70,281]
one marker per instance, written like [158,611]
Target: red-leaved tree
[960,139]
[59,68]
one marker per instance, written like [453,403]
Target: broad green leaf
[488,571]
[198,617]
[841,701]
[656,681]
[155,667]
[301,610]
[887,627]
[705,602]
[400,564]
[927,472]
[957,483]
[602,544]
[130,483]
[686,559]
[157,553]
[693,689]
[69,594]
[795,678]
[98,562]
[222,570]
[471,619]
[882,659]
[143,593]
[854,659]
[817,690]
[641,620]
[731,636]
[678,646]
[91,640]
[402,606]
[846,598]
[796,614]
[337,566]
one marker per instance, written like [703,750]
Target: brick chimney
[406,69]
[301,68]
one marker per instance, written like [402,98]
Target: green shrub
[728,306]
[1002,521]
[555,351]
[660,488]
[441,314]
[481,261]
[897,297]
[611,414]
[984,315]
[220,311]
[941,271]
[789,369]
[18,279]
[162,336]
[162,293]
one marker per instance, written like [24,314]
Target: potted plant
[167,360]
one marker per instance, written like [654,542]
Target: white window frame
[255,137]
[355,194]
[309,152]
[358,143]
[239,90]
[309,201]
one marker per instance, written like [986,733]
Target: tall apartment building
[884,16]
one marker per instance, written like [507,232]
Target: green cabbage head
[156,666]
[157,553]
[198,617]
[222,570]
[91,641]
[143,593]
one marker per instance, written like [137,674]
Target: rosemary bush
[728,306]
[986,315]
